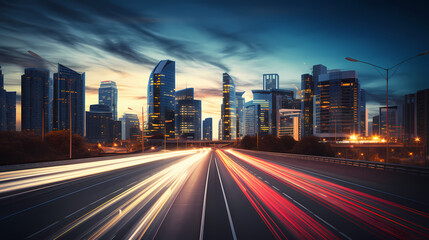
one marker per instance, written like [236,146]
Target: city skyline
[217,49]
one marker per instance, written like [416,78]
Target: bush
[248,142]
[287,143]
[312,146]
[59,142]
[270,143]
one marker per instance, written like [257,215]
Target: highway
[210,194]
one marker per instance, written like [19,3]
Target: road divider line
[203,215]
[234,236]
[34,234]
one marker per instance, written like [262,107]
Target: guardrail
[356,163]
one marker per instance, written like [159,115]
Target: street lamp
[387,90]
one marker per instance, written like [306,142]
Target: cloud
[91,90]
[202,93]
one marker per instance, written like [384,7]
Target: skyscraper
[188,115]
[410,117]
[161,98]
[219,136]
[423,118]
[36,100]
[290,123]
[69,84]
[257,114]
[208,129]
[270,81]
[363,117]
[229,109]
[395,122]
[7,107]
[337,105]
[108,95]
[240,114]
[130,126]
[376,125]
[307,104]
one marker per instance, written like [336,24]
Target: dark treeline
[25,147]
[307,145]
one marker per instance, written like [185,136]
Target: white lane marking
[203,215]
[34,234]
[234,236]
[315,215]
[75,212]
[275,188]
[266,182]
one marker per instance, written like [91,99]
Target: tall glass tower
[208,129]
[66,82]
[240,114]
[108,95]
[161,98]
[270,81]
[36,100]
[7,107]
[229,109]
[188,115]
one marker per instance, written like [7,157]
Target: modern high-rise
[307,104]
[69,85]
[100,126]
[376,125]
[240,114]
[188,115]
[270,81]
[229,109]
[395,122]
[208,129]
[108,95]
[410,117]
[161,99]
[318,70]
[257,114]
[363,118]
[219,133]
[36,100]
[337,105]
[423,117]
[130,126]
[7,107]
[277,99]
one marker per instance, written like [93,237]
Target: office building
[229,109]
[395,122]
[337,105]
[36,100]
[410,117]
[188,115]
[219,137]
[240,114]
[257,113]
[69,85]
[130,127]
[290,123]
[423,117]
[100,126]
[307,104]
[376,125]
[363,117]
[7,107]
[208,129]
[270,81]
[277,99]
[108,95]
[161,99]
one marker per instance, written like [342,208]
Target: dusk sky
[124,40]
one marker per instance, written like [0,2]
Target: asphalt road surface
[210,194]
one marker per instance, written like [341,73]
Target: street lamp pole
[387,91]
[142,129]
[70,118]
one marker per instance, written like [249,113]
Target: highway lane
[127,199]
[347,210]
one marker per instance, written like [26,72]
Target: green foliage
[312,146]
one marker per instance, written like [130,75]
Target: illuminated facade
[363,118]
[277,99]
[229,109]
[130,127]
[257,117]
[240,114]
[410,117]
[208,129]
[307,104]
[36,100]
[7,107]
[188,115]
[161,98]
[290,123]
[376,125]
[69,83]
[337,105]
[423,117]
[108,95]
[270,81]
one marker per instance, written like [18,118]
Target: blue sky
[123,41]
